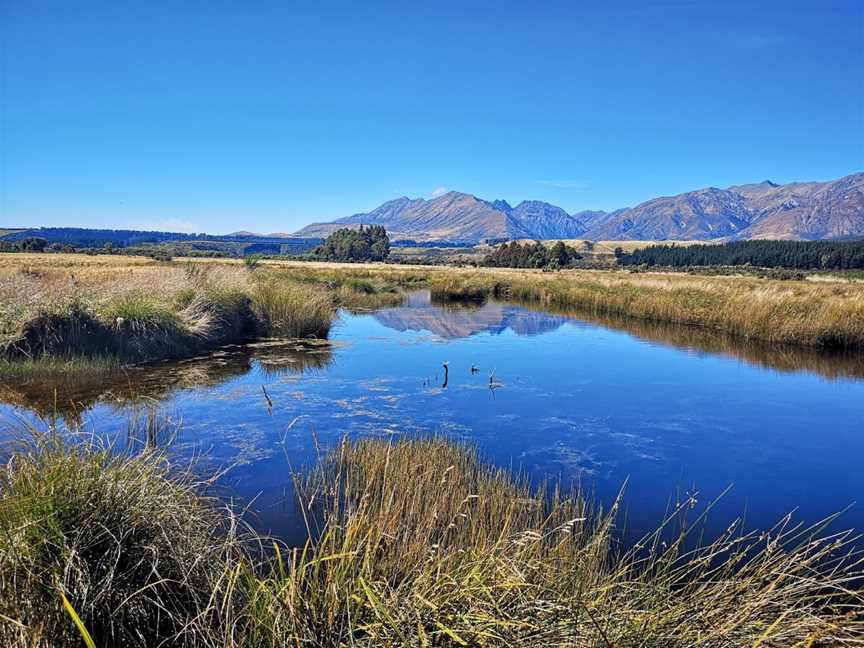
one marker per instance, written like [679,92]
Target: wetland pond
[595,402]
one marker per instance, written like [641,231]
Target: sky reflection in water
[667,409]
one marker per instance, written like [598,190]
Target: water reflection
[455,320]
[451,321]
[67,397]
[555,395]
[777,357]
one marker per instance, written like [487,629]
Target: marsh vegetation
[58,306]
[410,543]
[138,312]
[825,315]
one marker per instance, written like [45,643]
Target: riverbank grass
[420,543]
[800,313]
[134,547]
[149,312]
[411,543]
[44,297]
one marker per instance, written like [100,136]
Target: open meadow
[406,541]
[135,308]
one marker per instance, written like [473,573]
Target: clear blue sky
[218,116]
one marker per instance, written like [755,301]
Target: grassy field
[594,252]
[412,543]
[824,314]
[135,308]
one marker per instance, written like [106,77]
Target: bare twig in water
[269,402]
[493,384]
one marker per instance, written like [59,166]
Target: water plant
[419,542]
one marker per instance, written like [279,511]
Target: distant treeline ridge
[77,238]
[831,255]
[531,255]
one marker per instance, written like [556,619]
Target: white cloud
[564,184]
[438,191]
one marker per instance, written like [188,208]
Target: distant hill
[797,211]
[246,234]
[81,237]
[451,217]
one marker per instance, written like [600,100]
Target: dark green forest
[28,244]
[364,244]
[531,255]
[802,255]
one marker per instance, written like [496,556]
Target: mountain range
[765,210]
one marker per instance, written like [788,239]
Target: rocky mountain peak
[801,210]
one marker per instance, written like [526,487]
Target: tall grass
[293,310]
[137,550]
[413,543]
[804,313]
[419,543]
[141,312]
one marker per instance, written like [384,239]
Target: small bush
[253,261]
[162,256]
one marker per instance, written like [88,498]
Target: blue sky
[218,116]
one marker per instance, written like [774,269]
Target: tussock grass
[140,313]
[293,310]
[827,316]
[137,550]
[420,543]
[365,294]
[138,310]
[146,312]
[413,543]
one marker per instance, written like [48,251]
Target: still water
[599,403]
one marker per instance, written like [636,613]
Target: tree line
[33,244]
[531,255]
[803,255]
[364,244]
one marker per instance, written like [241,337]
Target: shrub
[253,261]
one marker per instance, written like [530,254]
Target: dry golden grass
[413,543]
[420,543]
[140,309]
[827,313]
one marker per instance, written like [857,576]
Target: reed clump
[803,313]
[412,543]
[140,311]
[292,310]
[420,543]
[136,549]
